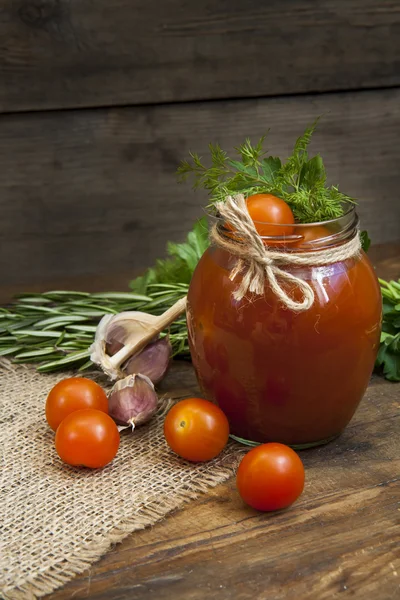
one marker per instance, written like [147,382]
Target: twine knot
[258,264]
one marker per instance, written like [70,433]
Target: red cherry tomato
[88,438]
[73,394]
[196,429]
[269,213]
[270,477]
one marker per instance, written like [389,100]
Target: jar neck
[310,236]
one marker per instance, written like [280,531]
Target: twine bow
[258,264]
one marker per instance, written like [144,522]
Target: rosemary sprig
[56,329]
[300,181]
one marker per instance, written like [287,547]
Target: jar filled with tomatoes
[280,375]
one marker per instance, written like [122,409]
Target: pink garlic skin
[152,361]
[132,401]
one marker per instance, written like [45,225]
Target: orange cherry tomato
[270,477]
[196,429]
[88,438]
[311,233]
[269,213]
[73,394]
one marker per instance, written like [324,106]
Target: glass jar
[295,378]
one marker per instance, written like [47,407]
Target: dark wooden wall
[99,101]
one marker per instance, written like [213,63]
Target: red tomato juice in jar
[295,378]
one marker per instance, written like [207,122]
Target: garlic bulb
[132,401]
[152,361]
[139,329]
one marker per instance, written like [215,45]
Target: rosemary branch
[56,329]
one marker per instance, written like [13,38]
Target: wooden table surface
[340,539]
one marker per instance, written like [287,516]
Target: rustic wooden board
[341,537]
[76,53]
[94,191]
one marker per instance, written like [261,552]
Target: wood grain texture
[77,53]
[387,257]
[91,192]
[341,537]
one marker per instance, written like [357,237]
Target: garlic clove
[132,401]
[115,339]
[117,336]
[152,361]
[141,328]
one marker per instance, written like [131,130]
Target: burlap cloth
[56,520]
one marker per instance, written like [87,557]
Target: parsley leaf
[365,240]
[388,359]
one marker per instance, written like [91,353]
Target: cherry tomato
[270,477]
[73,394]
[196,429]
[314,232]
[269,213]
[88,438]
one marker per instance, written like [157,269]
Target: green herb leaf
[62,362]
[389,359]
[251,155]
[365,241]
[270,168]
[312,173]
[10,350]
[35,353]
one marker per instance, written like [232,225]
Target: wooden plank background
[69,53]
[101,101]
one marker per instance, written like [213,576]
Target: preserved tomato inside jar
[295,378]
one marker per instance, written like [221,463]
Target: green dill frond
[302,143]
[184,170]
[300,180]
[218,156]
[251,155]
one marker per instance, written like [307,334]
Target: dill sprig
[300,180]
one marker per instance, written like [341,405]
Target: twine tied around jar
[259,264]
